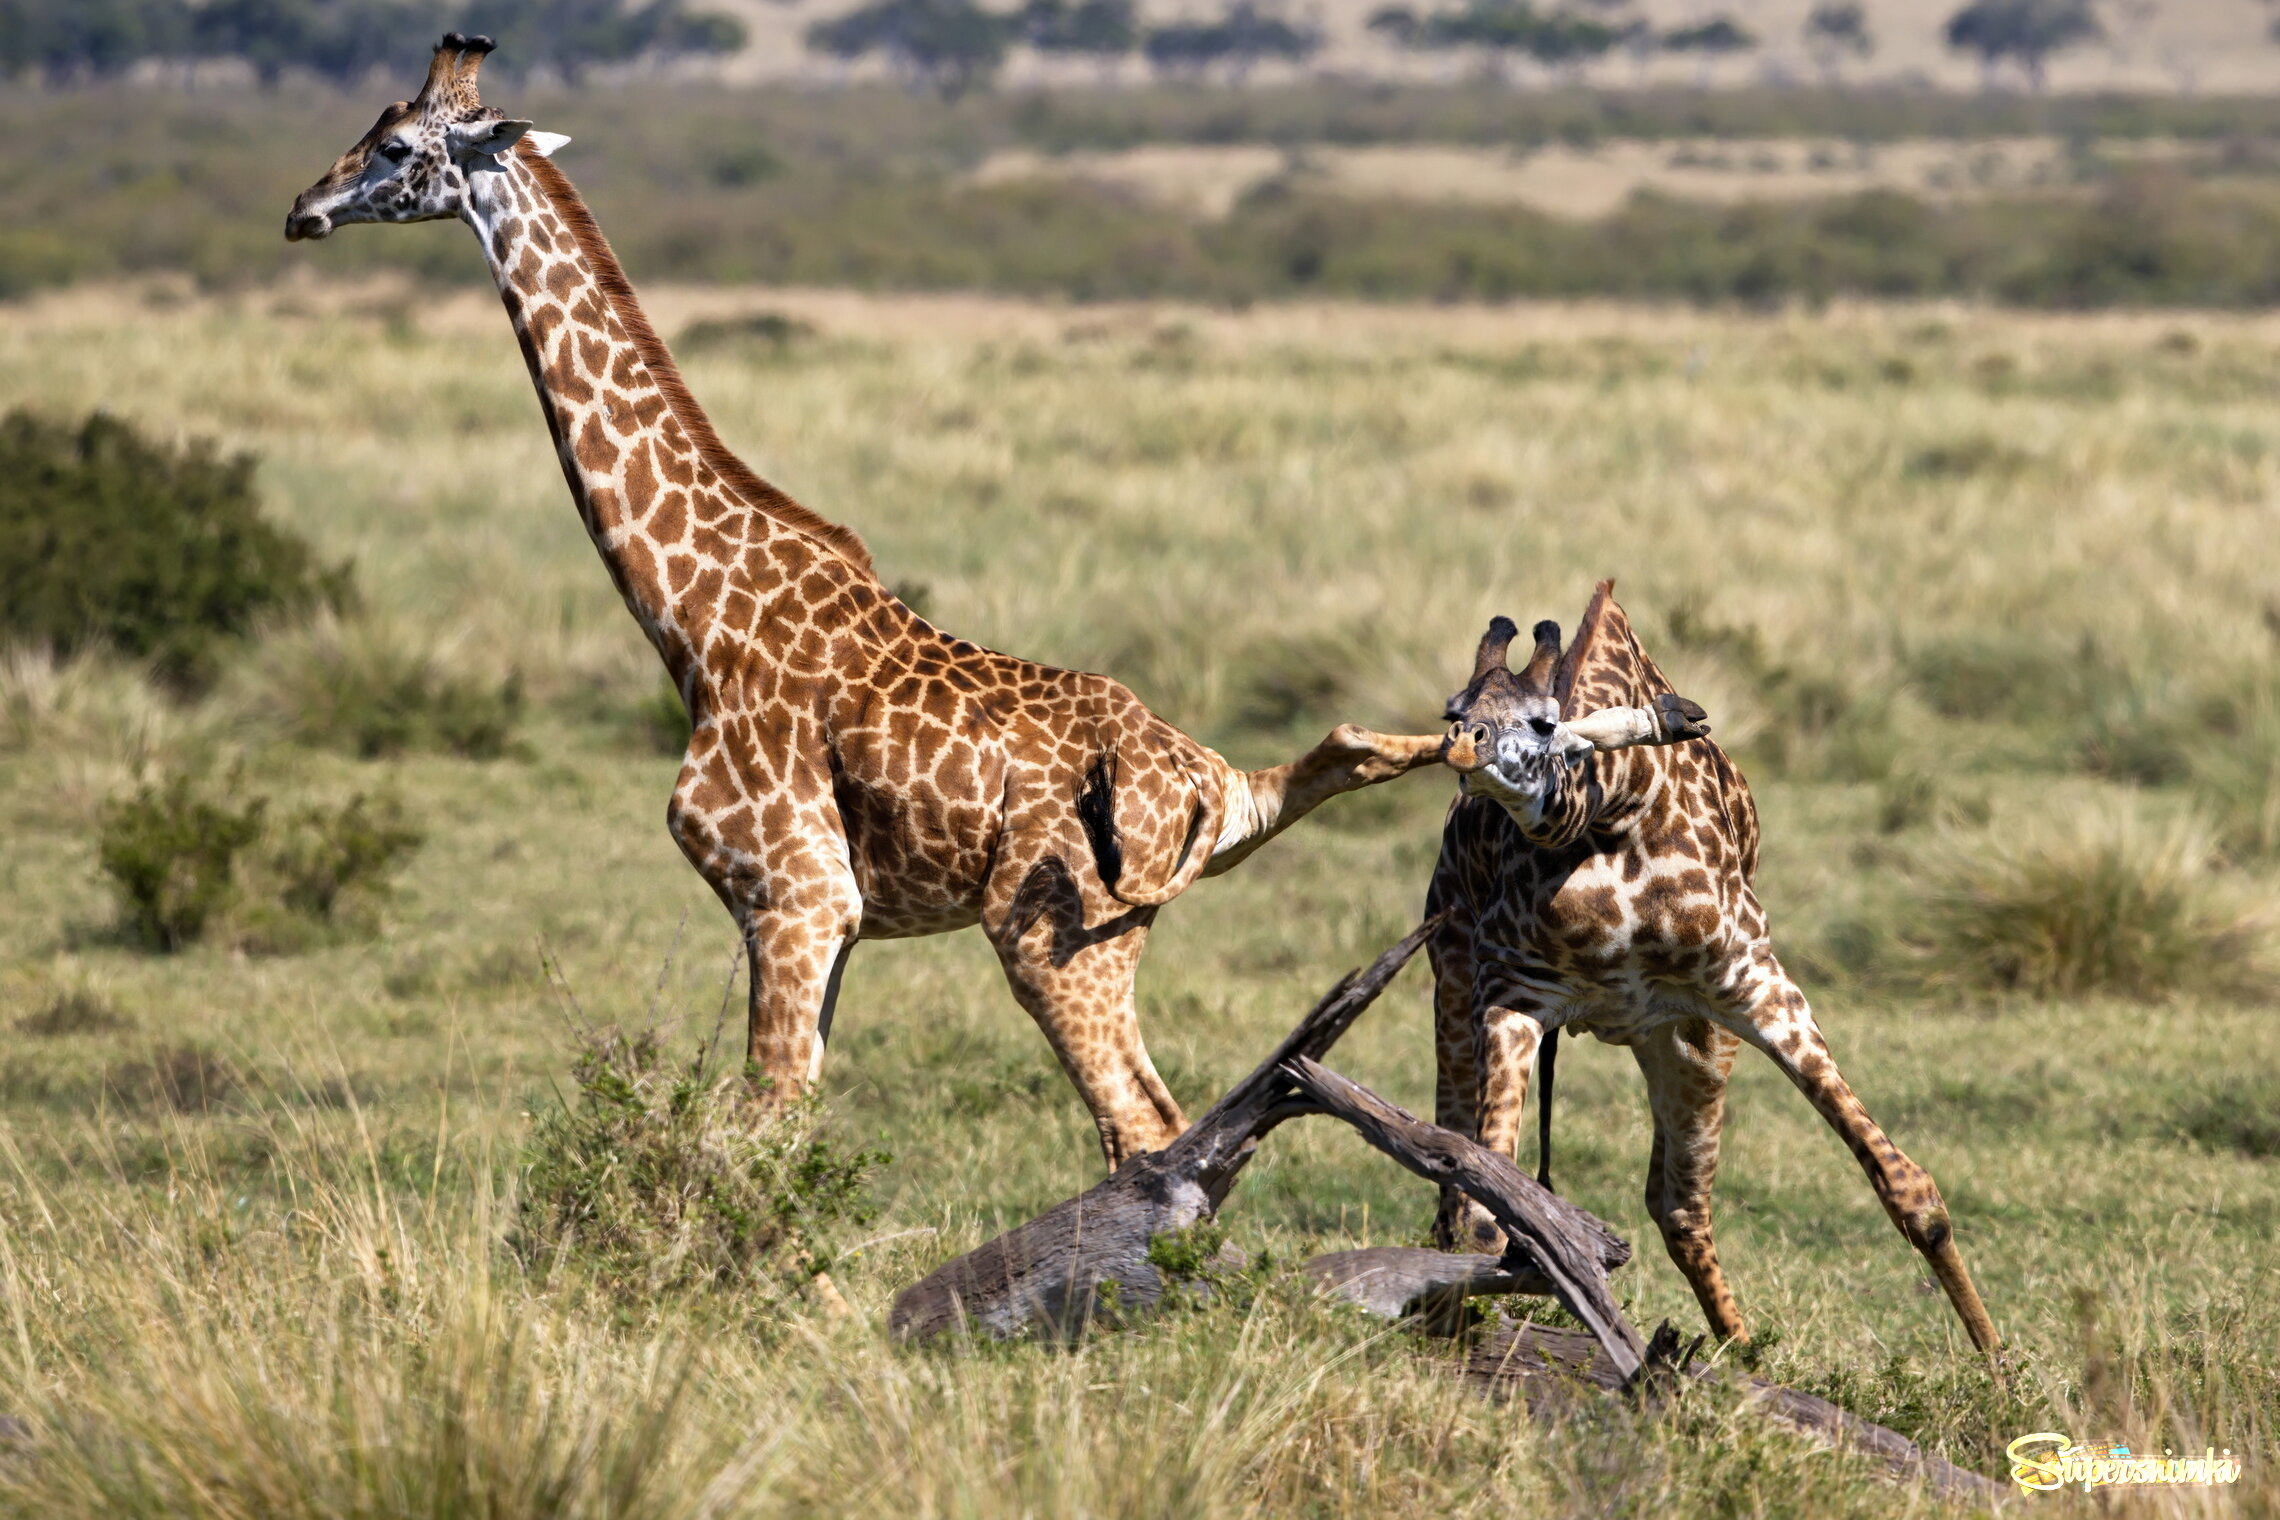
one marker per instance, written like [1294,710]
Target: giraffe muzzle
[306,226]
[1468,747]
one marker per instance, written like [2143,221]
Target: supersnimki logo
[2052,1459]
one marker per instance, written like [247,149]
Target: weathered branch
[1546,1365]
[1091,1251]
[1545,1233]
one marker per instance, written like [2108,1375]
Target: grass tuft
[654,1176]
[2106,903]
[187,1078]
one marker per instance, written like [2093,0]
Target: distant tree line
[68,41]
[953,46]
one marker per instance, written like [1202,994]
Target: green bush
[186,857]
[171,853]
[2110,904]
[156,551]
[654,1176]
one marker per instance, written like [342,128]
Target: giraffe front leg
[1456,1070]
[1777,1020]
[794,899]
[1261,804]
[796,957]
[1507,1034]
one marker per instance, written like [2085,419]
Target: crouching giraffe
[853,772]
[1610,893]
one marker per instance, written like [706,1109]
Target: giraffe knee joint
[1927,1227]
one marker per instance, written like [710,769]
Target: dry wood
[1544,1232]
[1402,1282]
[1091,1252]
[1547,1367]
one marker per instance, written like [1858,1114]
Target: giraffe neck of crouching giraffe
[1606,794]
[1559,814]
[671,510]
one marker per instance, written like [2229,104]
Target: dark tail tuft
[1096,810]
[1547,1057]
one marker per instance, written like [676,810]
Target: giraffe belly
[1619,1016]
[912,922]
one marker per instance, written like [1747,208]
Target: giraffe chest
[1617,934]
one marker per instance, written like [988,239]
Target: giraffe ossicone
[1595,875]
[853,772]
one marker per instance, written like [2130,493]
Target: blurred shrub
[654,1176]
[373,691]
[324,858]
[2107,904]
[660,723]
[1818,725]
[1998,676]
[186,856]
[2244,1119]
[171,853]
[75,1011]
[773,331]
[156,551]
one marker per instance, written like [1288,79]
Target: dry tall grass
[1913,560]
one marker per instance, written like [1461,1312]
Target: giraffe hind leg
[1686,1067]
[1780,1023]
[1076,982]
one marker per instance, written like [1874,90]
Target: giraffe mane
[618,290]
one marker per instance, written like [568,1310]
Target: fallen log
[1090,1253]
[1544,1233]
[1546,1367]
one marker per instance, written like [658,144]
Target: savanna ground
[1981,600]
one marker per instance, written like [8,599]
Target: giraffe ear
[491,137]
[544,143]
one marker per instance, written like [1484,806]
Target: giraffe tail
[1547,1059]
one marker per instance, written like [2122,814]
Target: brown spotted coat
[1609,893]
[854,772]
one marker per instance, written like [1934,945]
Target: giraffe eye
[395,152]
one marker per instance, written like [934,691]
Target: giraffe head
[421,157]
[1505,736]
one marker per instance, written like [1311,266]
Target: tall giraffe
[1612,896]
[853,772]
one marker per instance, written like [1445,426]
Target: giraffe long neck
[1604,792]
[673,513]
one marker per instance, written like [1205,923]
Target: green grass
[254,1209]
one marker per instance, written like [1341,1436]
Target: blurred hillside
[1224,195]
